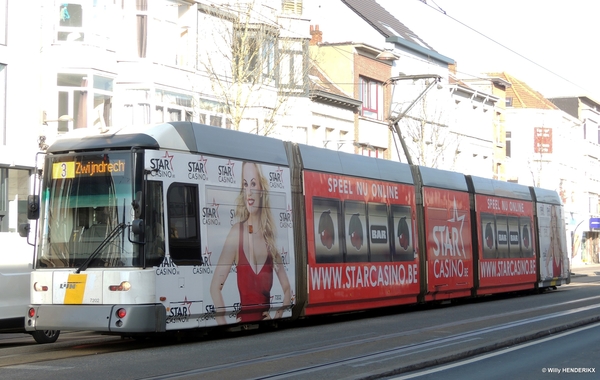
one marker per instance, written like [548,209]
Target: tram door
[183,224]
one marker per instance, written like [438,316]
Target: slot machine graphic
[327,231]
[489,238]
[403,241]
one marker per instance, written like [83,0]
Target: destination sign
[73,169]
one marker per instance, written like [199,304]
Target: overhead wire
[439,9]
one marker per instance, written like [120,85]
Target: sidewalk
[583,269]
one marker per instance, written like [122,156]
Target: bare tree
[255,62]
[423,125]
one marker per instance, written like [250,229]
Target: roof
[383,21]
[522,95]
[391,28]
[323,90]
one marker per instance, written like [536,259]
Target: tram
[185,226]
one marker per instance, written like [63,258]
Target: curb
[482,350]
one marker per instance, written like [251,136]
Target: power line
[439,9]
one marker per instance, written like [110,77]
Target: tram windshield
[85,202]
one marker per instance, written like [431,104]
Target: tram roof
[181,136]
[497,188]
[333,161]
[443,179]
[546,196]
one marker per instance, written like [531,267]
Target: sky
[550,45]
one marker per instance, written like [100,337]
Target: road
[571,353]
[384,343]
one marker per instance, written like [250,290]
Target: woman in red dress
[251,246]
[554,251]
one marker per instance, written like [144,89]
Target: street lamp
[42,138]
[61,118]
[386,55]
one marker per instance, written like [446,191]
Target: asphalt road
[574,353]
[384,343]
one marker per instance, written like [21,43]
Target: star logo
[203,161]
[284,256]
[456,219]
[169,158]
[231,164]
[187,304]
[215,206]
[206,257]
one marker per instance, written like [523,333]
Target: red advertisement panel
[542,140]
[506,243]
[449,248]
[361,236]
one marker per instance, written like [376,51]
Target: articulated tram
[186,226]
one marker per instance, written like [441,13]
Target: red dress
[254,288]
[556,268]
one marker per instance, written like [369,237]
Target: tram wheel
[45,336]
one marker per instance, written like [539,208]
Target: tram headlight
[122,287]
[39,287]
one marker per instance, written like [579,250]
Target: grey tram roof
[331,161]
[443,179]
[496,188]
[546,196]
[181,136]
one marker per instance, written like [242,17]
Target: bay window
[371,95]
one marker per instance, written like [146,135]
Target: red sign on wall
[542,140]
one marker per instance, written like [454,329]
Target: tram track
[358,351]
[399,351]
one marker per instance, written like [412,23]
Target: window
[211,113]
[14,188]
[136,19]
[154,222]
[3,21]
[292,6]
[78,21]
[508,144]
[2,104]
[70,22]
[215,121]
[371,95]
[292,68]
[137,108]
[184,238]
[86,97]
[372,151]
[509,101]
[253,54]
[178,107]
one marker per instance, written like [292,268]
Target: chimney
[452,68]
[316,36]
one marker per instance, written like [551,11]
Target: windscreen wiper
[113,233]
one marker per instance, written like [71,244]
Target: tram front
[91,266]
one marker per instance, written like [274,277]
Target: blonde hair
[266,224]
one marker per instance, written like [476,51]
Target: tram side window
[184,237]
[155,232]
